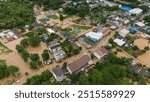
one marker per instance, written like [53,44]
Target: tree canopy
[14,13]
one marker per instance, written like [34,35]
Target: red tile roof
[105,31]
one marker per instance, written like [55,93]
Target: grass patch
[54,17]
[82,27]
[123,2]
[4,49]
[73,33]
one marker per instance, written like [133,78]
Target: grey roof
[58,71]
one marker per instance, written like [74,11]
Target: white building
[94,36]
[50,31]
[124,32]
[136,11]
[119,42]
[140,24]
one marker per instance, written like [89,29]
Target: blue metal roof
[133,29]
[126,8]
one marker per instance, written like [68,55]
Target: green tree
[39,63]
[41,79]
[25,55]
[33,65]
[45,55]
[25,42]
[96,77]
[3,70]
[34,41]
[83,79]
[12,69]
[15,14]
[19,48]
[34,57]
[61,17]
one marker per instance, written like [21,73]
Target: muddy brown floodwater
[122,54]
[141,43]
[145,58]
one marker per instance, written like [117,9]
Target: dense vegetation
[112,71]
[5,70]
[15,14]
[147,19]
[80,9]
[70,49]
[42,79]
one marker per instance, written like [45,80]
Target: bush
[12,69]
[33,65]
[3,70]
[25,42]
[39,63]
[45,55]
[19,48]
[25,55]
[34,57]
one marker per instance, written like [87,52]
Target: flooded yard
[122,54]
[141,43]
[145,58]
[4,49]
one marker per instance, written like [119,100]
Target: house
[136,11]
[94,36]
[80,64]
[57,51]
[126,8]
[69,36]
[106,31]
[140,24]
[100,53]
[119,42]
[54,45]
[58,74]
[133,29]
[59,55]
[18,32]
[44,37]
[124,32]
[50,31]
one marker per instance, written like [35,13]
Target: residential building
[94,36]
[124,32]
[80,64]
[57,51]
[58,74]
[100,53]
[119,42]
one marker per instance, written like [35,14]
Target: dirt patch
[142,43]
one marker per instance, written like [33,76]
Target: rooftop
[80,63]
